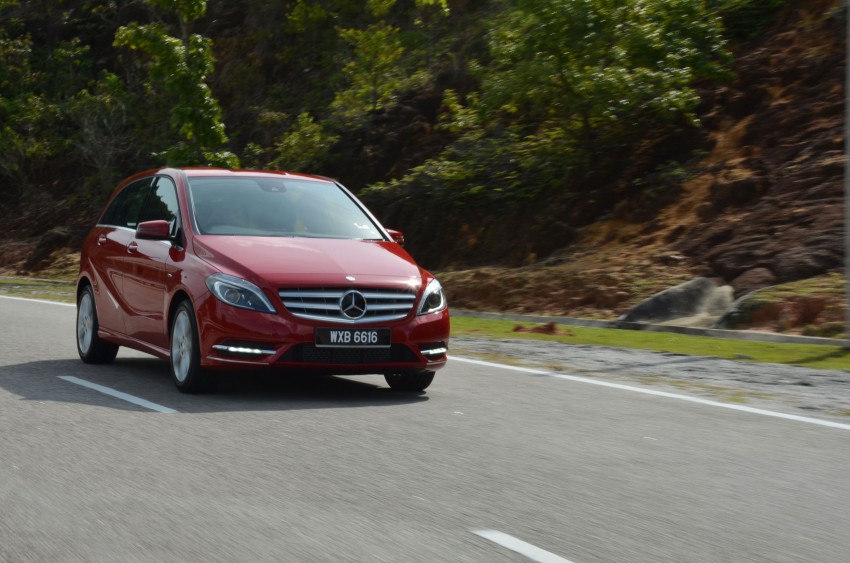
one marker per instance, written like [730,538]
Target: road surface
[492,464]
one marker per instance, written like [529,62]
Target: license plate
[352,337]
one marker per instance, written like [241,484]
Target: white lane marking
[45,301]
[118,394]
[665,394]
[523,548]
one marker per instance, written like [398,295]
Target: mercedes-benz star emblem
[352,304]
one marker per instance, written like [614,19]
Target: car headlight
[239,293]
[433,300]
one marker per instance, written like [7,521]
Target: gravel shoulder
[789,389]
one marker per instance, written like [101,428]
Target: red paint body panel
[137,283]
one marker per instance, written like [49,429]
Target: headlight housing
[239,293]
[433,300]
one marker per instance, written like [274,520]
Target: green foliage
[102,113]
[373,73]
[457,118]
[26,142]
[568,82]
[304,146]
[591,67]
[177,72]
[188,10]
[536,93]
[33,108]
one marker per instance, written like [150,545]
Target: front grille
[323,304]
[397,353]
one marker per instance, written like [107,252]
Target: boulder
[751,280]
[698,297]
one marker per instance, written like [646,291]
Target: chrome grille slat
[307,305]
[322,304]
[311,294]
[389,307]
[375,295]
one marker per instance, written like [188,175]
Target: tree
[591,66]
[102,116]
[376,71]
[34,85]
[304,146]
[373,72]
[177,72]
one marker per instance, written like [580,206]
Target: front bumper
[232,338]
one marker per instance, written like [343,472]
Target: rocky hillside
[762,206]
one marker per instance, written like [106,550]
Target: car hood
[285,261]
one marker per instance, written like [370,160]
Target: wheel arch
[82,284]
[179,297]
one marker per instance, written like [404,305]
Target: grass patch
[830,285]
[51,290]
[814,356]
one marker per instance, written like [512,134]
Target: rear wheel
[415,382]
[91,348]
[185,361]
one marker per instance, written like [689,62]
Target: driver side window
[125,208]
[162,204]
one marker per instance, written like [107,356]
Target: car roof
[206,171]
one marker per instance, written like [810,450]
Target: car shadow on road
[148,379]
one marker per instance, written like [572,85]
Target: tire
[415,382]
[185,358]
[92,349]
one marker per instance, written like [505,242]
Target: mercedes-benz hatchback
[218,269]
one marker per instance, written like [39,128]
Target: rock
[803,262]
[696,297]
[751,280]
[752,310]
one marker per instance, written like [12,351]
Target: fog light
[432,351]
[242,350]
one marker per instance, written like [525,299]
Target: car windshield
[268,206]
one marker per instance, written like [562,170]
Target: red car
[219,269]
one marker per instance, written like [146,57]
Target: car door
[146,273]
[108,251]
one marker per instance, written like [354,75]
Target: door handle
[101,240]
[132,247]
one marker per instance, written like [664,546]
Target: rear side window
[125,209]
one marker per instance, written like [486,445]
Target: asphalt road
[491,464]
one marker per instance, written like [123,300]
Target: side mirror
[398,236]
[154,230]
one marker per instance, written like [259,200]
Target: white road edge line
[45,301]
[523,548]
[118,394]
[665,394]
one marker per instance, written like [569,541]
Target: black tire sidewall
[99,352]
[410,382]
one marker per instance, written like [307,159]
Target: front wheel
[415,382]
[185,361]
[91,348]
